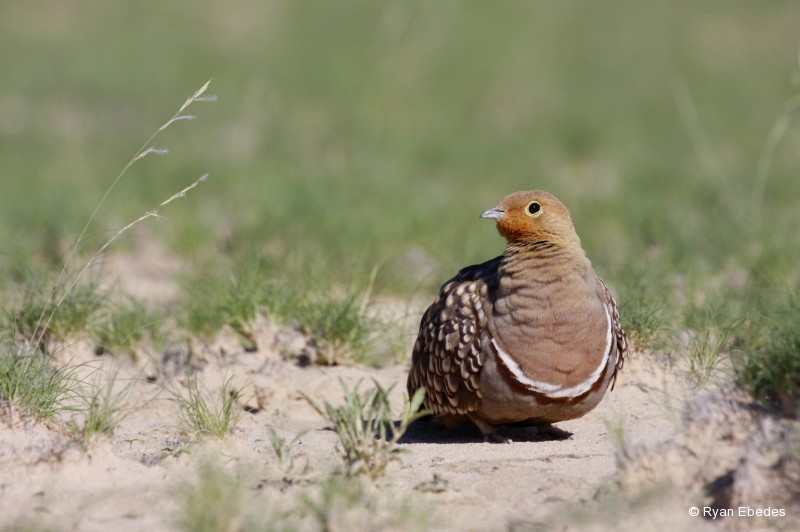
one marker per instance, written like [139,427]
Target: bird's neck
[543,262]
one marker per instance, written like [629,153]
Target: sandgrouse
[532,335]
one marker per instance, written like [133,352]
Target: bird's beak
[493,213]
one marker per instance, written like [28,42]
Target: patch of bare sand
[728,456]
[129,481]
[147,273]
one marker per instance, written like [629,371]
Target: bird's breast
[554,342]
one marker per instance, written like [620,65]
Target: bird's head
[533,216]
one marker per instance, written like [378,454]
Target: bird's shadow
[427,430]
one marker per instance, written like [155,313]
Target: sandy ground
[135,478]
[129,480]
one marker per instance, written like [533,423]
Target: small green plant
[234,296]
[76,313]
[367,434]
[644,321]
[710,340]
[107,405]
[203,305]
[643,305]
[337,495]
[214,300]
[770,366]
[343,503]
[339,325]
[125,325]
[283,451]
[29,381]
[175,447]
[204,413]
[706,349]
[216,501]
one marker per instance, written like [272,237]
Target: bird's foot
[496,438]
[490,435]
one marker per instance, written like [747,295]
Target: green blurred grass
[363,133]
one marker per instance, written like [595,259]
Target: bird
[532,336]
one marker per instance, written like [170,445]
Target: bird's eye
[534,208]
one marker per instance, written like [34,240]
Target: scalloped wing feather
[619,333]
[447,357]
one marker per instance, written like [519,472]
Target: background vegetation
[356,134]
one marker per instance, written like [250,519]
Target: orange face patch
[532,215]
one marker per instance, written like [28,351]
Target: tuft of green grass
[643,321]
[643,305]
[205,413]
[124,325]
[234,297]
[216,501]
[203,305]
[30,382]
[340,325]
[344,503]
[336,495]
[712,328]
[367,434]
[769,367]
[220,498]
[338,320]
[283,451]
[107,405]
[708,346]
[36,318]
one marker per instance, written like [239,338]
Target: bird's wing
[447,356]
[619,333]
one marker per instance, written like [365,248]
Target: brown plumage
[532,335]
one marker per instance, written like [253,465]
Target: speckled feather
[449,351]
